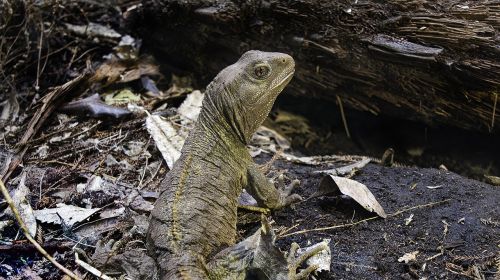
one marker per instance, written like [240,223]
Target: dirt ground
[454,238]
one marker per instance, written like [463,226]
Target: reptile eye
[262,71]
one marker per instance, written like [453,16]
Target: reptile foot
[285,191]
[295,262]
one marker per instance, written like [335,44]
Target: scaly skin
[195,216]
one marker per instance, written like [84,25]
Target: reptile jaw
[285,80]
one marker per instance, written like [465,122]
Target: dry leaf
[302,160]
[124,96]
[409,220]
[347,169]
[92,231]
[93,30]
[68,214]
[5,158]
[191,107]
[167,140]
[21,201]
[272,134]
[150,85]
[143,68]
[119,71]
[493,180]
[355,190]
[246,199]
[409,257]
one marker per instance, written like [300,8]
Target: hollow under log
[433,61]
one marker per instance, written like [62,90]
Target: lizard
[195,215]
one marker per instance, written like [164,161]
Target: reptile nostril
[283,60]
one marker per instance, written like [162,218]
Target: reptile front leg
[257,257]
[266,194]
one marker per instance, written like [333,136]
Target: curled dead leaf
[355,190]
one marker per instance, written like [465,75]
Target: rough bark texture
[434,61]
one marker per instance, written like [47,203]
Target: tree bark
[436,61]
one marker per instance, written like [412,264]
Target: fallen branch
[22,225]
[364,220]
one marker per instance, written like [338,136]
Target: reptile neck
[215,132]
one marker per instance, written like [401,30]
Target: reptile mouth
[287,77]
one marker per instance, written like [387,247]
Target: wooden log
[433,61]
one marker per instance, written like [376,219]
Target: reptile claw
[295,262]
[304,274]
[288,189]
[280,182]
[291,199]
[286,192]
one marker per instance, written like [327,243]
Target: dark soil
[464,228]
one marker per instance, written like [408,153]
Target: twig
[350,264]
[344,120]
[91,269]
[48,135]
[364,220]
[139,186]
[494,111]
[433,257]
[72,165]
[40,186]
[287,230]
[37,86]
[267,166]
[78,242]
[330,227]
[417,207]
[152,177]
[22,225]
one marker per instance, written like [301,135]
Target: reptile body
[195,216]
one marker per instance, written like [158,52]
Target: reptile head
[245,92]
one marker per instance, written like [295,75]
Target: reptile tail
[188,266]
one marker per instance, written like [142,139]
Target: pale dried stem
[364,220]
